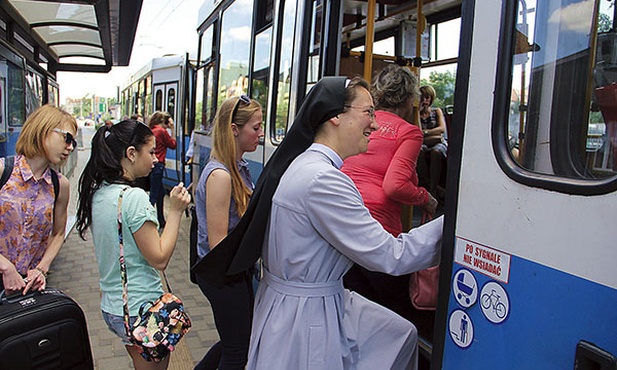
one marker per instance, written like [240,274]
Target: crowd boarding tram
[163,84]
[528,275]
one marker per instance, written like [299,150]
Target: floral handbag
[162,323]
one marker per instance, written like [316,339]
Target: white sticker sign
[485,260]
[461,328]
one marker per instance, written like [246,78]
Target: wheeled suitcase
[43,330]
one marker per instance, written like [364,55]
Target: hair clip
[107,133]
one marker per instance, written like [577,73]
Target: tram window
[158,100]
[203,109]
[381,47]
[312,75]
[284,72]
[444,38]
[148,96]
[264,13]
[209,108]
[261,69]
[563,107]
[199,100]
[206,45]
[234,63]
[35,90]
[15,88]
[171,102]
[53,94]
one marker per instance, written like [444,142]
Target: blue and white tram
[164,85]
[528,275]
[529,278]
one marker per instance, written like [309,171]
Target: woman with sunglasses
[120,154]
[221,198]
[34,214]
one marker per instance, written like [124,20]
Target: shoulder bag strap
[123,275]
[125,290]
[8,169]
[56,182]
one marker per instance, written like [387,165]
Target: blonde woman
[221,198]
[34,212]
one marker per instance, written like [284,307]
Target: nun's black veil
[237,253]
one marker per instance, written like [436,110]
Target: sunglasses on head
[135,128]
[68,137]
[241,99]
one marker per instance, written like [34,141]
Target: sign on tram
[485,260]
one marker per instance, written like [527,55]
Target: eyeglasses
[370,110]
[241,99]
[68,137]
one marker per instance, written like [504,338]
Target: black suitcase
[43,330]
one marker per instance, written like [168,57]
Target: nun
[308,223]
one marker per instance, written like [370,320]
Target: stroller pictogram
[465,290]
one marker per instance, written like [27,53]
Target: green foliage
[443,83]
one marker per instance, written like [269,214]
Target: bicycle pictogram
[494,300]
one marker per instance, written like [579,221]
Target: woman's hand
[12,280]
[431,206]
[179,198]
[35,280]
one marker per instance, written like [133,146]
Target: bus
[163,84]
[527,276]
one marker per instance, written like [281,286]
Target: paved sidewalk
[75,272]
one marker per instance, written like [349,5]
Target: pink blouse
[386,174]
[26,206]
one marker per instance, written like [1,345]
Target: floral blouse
[26,215]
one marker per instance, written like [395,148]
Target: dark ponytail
[109,146]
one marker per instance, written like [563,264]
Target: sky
[165,27]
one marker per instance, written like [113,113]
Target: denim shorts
[115,323]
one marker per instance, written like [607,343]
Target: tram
[527,268]
[163,84]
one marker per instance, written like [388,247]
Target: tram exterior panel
[532,266]
[528,257]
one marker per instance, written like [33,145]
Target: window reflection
[563,106]
[235,48]
[261,69]
[284,72]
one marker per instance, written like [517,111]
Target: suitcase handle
[16,297]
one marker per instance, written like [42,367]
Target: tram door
[531,283]
[165,99]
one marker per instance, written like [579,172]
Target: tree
[443,83]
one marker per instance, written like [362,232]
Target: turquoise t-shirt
[144,282]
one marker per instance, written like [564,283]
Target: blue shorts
[115,324]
